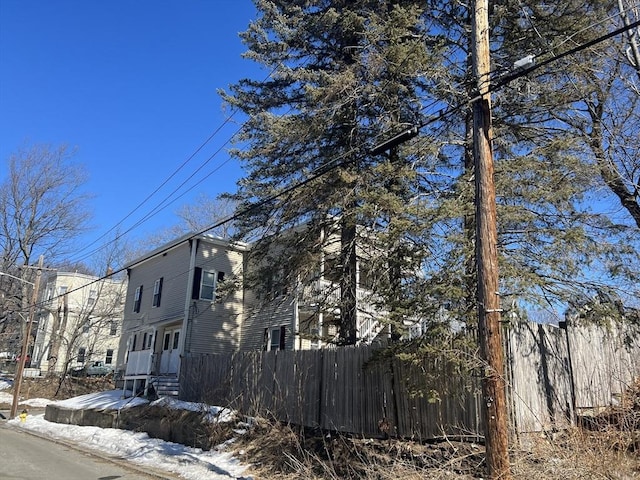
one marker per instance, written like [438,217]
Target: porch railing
[326,294]
[139,363]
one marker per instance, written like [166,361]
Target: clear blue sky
[132,85]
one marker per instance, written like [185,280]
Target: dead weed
[280,451]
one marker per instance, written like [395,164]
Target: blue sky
[130,84]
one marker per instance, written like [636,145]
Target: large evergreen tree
[344,74]
[347,74]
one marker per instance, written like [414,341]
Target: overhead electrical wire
[158,207]
[340,159]
[165,202]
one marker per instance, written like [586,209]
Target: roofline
[86,276]
[221,242]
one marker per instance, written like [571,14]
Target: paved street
[27,457]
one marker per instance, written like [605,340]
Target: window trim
[270,337]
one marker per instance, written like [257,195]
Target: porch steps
[167,386]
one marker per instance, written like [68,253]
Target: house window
[276,284]
[275,338]
[62,289]
[85,326]
[208,286]
[157,292]
[315,338]
[149,341]
[113,328]
[176,337]
[109,357]
[82,352]
[92,298]
[137,299]
[204,284]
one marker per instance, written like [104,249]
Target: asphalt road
[24,456]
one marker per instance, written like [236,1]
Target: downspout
[187,300]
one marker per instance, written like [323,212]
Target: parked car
[94,369]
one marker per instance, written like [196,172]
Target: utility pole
[17,381]
[489,334]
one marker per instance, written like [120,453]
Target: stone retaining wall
[179,426]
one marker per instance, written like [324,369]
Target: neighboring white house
[303,313]
[79,320]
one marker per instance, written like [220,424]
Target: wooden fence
[552,373]
[345,389]
[556,373]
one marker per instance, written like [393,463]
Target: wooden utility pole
[489,334]
[17,381]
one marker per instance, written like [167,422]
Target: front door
[170,358]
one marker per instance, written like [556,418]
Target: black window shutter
[160,290]
[137,303]
[197,277]
[265,340]
[221,276]
[283,329]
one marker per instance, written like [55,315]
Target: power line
[505,80]
[159,206]
[339,160]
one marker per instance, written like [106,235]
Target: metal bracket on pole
[395,141]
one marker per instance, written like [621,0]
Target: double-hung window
[92,298]
[275,338]
[208,288]
[204,284]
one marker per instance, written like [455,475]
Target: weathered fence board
[605,361]
[540,377]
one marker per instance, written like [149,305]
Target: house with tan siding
[174,308]
[303,313]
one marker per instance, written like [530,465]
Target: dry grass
[280,451]
[52,388]
[605,447]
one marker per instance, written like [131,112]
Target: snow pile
[189,463]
